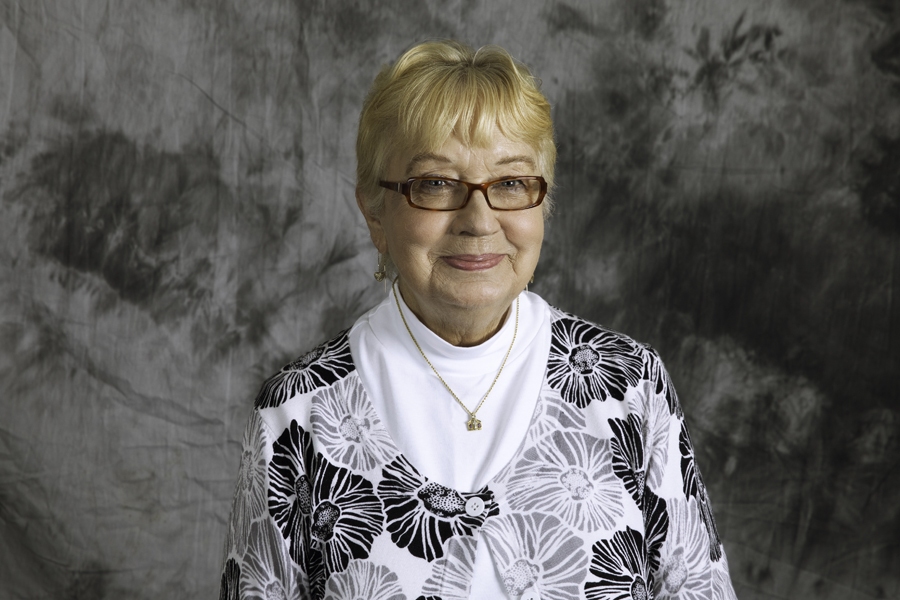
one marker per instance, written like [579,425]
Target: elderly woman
[464,439]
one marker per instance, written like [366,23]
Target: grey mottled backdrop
[177,219]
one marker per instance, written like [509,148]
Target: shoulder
[571,330]
[589,361]
[320,367]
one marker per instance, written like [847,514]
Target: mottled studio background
[177,219]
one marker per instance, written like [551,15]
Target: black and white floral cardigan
[602,501]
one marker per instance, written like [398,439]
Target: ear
[376,230]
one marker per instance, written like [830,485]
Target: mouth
[473,262]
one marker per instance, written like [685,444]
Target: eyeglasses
[442,193]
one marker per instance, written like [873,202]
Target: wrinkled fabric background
[177,220]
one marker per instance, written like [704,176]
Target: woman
[464,439]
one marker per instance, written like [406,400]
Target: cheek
[413,235]
[528,235]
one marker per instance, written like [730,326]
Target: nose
[476,217]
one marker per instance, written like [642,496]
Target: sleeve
[257,562]
[686,557]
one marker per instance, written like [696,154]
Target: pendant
[473,424]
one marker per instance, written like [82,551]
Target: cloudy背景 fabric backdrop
[177,220]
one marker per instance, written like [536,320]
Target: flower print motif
[537,551]
[290,490]
[656,527]
[621,565]
[451,576]
[422,514]
[336,514]
[231,577]
[318,368]
[655,372]
[568,474]
[628,455]
[269,573]
[684,572]
[345,423]
[694,488]
[588,362]
[346,515]
[249,501]
[363,579]
[655,426]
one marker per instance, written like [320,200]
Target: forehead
[500,152]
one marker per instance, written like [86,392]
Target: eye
[434,186]
[434,183]
[510,184]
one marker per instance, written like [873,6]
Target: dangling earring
[382,271]
[529,281]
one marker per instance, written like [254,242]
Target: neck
[462,327]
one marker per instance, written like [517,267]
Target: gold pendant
[473,424]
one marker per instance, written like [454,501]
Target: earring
[382,271]
[532,278]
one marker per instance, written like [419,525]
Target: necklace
[473,424]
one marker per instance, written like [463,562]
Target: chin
[481,295]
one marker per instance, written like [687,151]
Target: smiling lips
[474,262]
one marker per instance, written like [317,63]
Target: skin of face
[459,271]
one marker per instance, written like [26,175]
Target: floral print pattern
[620,564]
[318,368]
[452,575]
[268,571]
[290,490]
[537,551]
[628,455]
[422,514]
[655,373]
[336,514]
[249,495]
[346,516]
[656,526]
[684,572]
[363,579]
[722,588]
[568,474]
[694,488]
[589,363]
[349,429]
[231,577]
[655,426]
[557,414]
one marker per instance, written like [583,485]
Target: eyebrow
[426,156]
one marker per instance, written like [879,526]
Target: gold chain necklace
[473,424]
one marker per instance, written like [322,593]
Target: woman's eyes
[441,182]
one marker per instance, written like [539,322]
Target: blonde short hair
[436,89]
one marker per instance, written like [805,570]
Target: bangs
[468,103]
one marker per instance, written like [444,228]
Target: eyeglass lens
[444,193]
